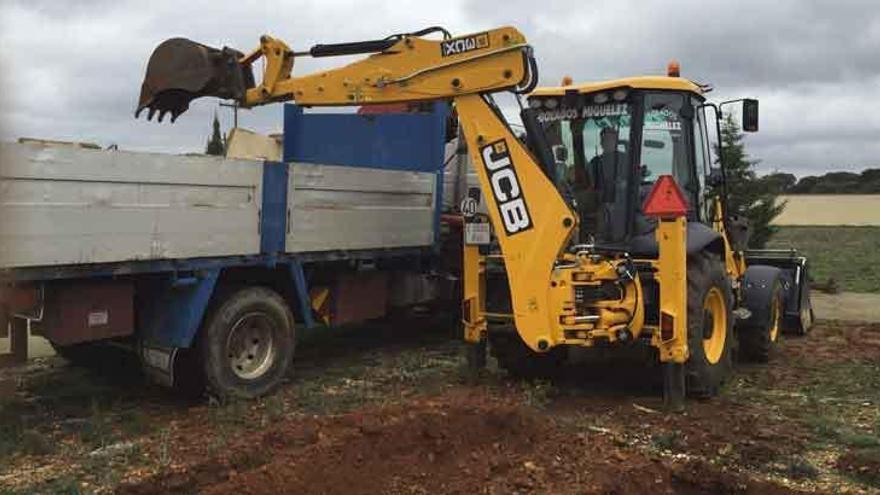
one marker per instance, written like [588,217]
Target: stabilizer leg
[476,355]
[673,387]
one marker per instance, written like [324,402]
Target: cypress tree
[215,144]
[747,195]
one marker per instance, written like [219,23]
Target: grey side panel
[64,205]
[340,208]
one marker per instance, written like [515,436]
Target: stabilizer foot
[476,355]
[673,387]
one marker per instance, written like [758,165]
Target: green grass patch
[862,464]
[850,255]
[839,398]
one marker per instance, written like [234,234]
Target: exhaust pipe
[181,70]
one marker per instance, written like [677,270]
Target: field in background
[850,255]
[830,210]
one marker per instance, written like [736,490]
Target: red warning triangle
[665,200]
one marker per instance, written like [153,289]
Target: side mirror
[715,177]
[560,153]
[750,115]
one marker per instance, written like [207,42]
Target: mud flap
[158,363]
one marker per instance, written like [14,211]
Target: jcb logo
[464,45]
[505,187]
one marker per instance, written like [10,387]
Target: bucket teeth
[181,70]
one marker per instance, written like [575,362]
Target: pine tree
[215,145]
[747,195]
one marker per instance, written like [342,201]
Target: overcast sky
[72,70]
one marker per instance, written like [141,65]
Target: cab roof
[639,82]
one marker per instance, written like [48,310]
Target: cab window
[664,147]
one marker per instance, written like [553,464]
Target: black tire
[519,361]
[705,373]
[757,341]
[246,344]
[802,324]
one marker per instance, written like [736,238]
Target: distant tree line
[866,182]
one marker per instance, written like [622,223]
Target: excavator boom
[401,68]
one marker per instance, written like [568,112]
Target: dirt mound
[458,442]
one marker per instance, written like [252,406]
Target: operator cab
[609,143]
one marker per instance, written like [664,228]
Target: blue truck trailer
[220,259]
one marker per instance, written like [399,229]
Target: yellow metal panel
[672,278]
[474,297]
[414,69]
[640,82]
[530,218]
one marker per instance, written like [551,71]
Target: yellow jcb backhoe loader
[600,231]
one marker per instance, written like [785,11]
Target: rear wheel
[756,341]
[247,344]
[710,326]
[804,321]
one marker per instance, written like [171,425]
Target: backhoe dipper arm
[531,220]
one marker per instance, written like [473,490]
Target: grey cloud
[72,70]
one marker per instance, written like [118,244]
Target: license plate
[476,234]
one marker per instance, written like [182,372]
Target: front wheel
[710,326]
[247,344]
[757,341]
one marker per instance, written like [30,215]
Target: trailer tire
[247,343]
[756,341]
[709,298]
[519,361]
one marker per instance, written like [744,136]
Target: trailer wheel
[756,341]
[247,344]
[710,326]
[801,325]
[520,362]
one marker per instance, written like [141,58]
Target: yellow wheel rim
[715,325]
[775,318]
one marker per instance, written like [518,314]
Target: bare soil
[390,409]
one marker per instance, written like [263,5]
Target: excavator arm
[401,68]
[531,220]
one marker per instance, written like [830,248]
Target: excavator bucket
[181,70]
